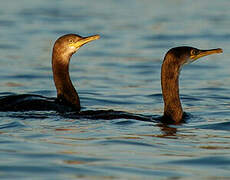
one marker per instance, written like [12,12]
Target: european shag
[174,60]
[67,97]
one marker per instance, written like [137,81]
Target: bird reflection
[167,130]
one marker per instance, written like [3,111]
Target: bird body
[31,102]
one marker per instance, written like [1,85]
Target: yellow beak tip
[97,36]
[220,50]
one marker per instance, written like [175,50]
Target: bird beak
[85,40]
[206,53]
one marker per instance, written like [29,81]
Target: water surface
[121,71]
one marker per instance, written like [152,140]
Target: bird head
[185,55]
[68,44]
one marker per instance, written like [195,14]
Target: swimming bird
[67,97]
[173,62]
[63,49]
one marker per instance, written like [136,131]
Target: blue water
[121,71]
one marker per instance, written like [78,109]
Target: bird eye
[194,52]
[70,41]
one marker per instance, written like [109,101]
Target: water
[121,71]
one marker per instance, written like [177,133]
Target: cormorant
[67,97]
[174,60]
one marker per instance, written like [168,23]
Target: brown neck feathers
[66,92]
[170,71]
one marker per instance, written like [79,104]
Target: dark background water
[121,71]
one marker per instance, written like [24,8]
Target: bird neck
[170,89]
[66,92]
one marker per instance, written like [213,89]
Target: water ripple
[224,126]
[188,37]
[205,161]
[120,142]
[13,125]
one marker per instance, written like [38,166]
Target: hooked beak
[85,40]
[203,53]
